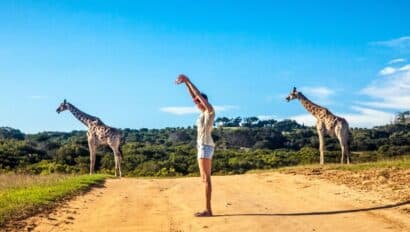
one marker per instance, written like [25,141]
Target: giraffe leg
[342,134]
[346,144]
[342,147]
[321,134]
[92,158]
[117,159]
[339,136]
[118,166]
[93,148]
[347,153]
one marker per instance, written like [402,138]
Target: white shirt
[204,125]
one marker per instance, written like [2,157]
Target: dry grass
[12,181]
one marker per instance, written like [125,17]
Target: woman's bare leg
[205,168]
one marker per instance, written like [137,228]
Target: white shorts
[205,152]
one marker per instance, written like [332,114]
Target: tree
[10,133]
[222,121]
[250,122]
[287,125]
[403,117]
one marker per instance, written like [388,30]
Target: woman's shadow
[317,213]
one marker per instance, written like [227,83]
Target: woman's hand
[181,79]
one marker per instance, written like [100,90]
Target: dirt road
[252,202]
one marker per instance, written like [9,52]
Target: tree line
[242,144]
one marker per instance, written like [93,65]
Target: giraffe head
[63,106]
[293,95]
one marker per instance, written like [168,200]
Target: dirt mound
[387,183]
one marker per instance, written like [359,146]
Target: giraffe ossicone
[326,123]
[98,134]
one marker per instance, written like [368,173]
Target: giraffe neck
[86,119]
[308,104]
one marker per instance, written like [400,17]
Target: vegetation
[399,163]
[22,195]
[242,145]
[403,117]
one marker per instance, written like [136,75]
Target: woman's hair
[204,96]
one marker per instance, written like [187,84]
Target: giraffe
[327,123]
[98,133]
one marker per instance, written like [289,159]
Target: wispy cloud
[390,92]
[225,108]
[38,97]
[405,68]
[368,118]
[276,97]
[184,110]
[305,119]
[266,117]
[398,60]
[320,94]
[402,42]
[365,117]
[387,71]
[180,110]
[318,91]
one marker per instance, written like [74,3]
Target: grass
[400,163]
[23,195]
[13,181]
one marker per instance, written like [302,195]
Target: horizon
[184,127]
[118,61]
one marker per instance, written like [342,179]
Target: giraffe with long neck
[98,134]
[327,123]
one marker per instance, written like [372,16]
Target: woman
[205,143]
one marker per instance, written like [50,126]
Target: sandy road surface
[252,202]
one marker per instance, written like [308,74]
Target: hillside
[171,151]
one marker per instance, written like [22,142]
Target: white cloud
[319,91]
[37,97]
[398,60]
[391,70]
[305,119]
[387,71]
[405,68]
[184,110]
[266,117]
[318,94]
[180,110]
[365,117]
[402,42]
[391,91]
[225,108]
[368,118]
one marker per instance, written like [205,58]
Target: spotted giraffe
[98,134]
[327,123]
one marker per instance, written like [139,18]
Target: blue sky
[118,60]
